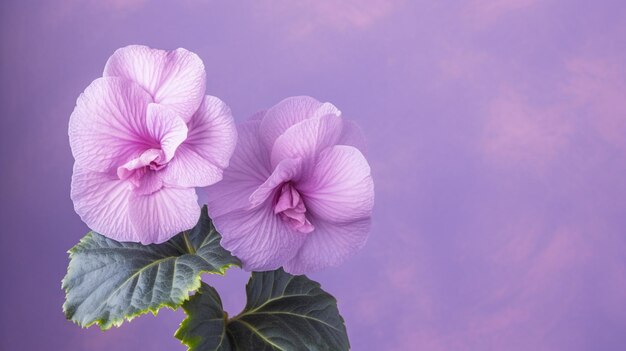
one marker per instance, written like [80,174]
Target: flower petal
[101,200]
[128,169]
[339,187]
[189,170]
[212,137]
[107,127]
[161,215]
[173,78]
[212,131]
[307,138]
[249,167]
[329,245]
[352,135]
[258,237]
[286,170]
[167,129]
[149,183]
[291,111]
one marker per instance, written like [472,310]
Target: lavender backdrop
[497,137]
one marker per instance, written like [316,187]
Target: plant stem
[188,243]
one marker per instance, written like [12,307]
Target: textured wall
[497,134]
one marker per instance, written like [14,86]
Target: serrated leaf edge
[193,342]
[117,322]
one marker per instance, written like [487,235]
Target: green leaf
[283,312]
[109,281]
[205,326]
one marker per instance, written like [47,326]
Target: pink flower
[143,137]
[298,192]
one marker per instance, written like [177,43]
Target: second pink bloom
[298,192]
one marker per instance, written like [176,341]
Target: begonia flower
[298,192]
[144,136]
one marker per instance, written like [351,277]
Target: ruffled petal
[212,132]
[107,127]
[258,237]
[166,128]
[149,183]
[189,170]
[352,135]
[129,169]
[161,215]
[173,78]
[326,108]
[212,137]
[339,188]
[307,139]
[291,111]
[286,170]
[329,245]
[102,202]
[249,167]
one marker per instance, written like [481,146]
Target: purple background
[497,135]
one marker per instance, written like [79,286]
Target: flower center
[289,205]
[155,166]
[135,170]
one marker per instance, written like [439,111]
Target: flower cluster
[288,187]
